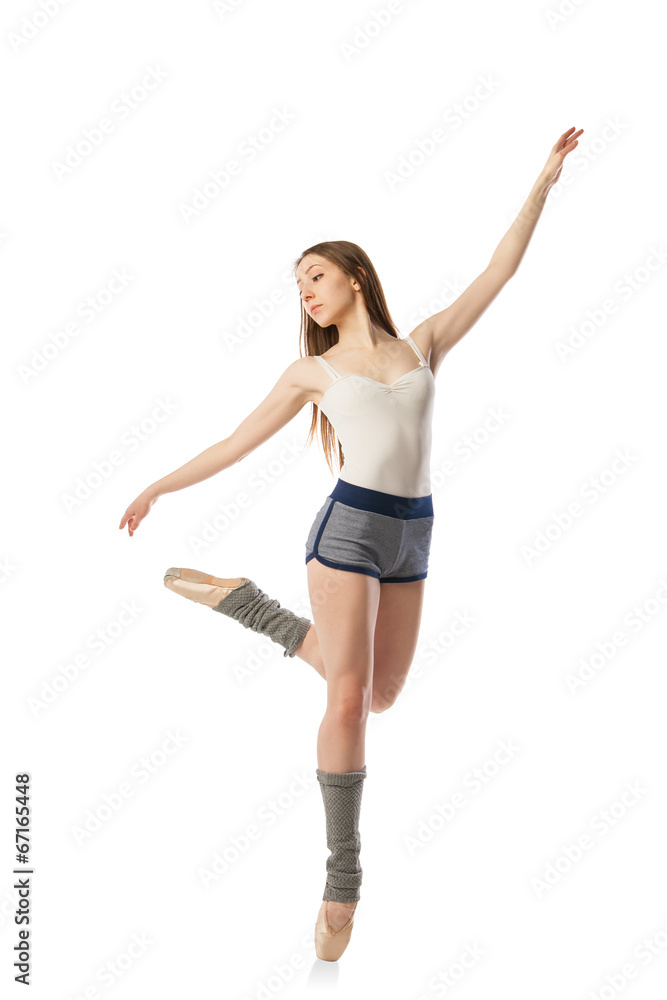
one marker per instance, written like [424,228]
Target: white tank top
[385,430]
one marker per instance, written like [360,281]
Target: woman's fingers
[565,141]
[134,514]
[129,520]
[566,138]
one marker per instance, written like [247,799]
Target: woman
[374,393]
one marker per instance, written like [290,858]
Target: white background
[360,97]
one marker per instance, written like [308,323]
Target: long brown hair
[315,339]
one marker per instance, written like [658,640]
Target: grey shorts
[366,531]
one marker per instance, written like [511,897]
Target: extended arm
[277,409]
[445,328]
[282,403]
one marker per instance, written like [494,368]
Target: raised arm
[283,402]
[440,332]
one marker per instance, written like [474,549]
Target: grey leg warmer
[341,793]
[251,606]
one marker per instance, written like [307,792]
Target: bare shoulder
[307,375]
[423,338]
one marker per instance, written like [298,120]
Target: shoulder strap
[416,349]
[327,367]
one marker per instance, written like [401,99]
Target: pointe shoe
[329,944]
[241,599]
[201,587]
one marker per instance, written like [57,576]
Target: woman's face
[326,291]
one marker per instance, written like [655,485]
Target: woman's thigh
[345,607]
[396,635]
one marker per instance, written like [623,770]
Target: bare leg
[395,642]
[345,625]
[310,651]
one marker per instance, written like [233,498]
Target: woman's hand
[137,511]
[554,164]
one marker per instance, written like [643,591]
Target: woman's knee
[350,706]
[381,703]
[385,692]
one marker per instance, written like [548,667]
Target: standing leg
[345,622]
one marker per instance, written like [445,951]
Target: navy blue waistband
[382,503]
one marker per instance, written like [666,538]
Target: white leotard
[385,430]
